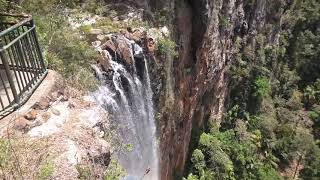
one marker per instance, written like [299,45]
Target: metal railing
[22,65]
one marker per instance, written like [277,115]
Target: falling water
[128,97]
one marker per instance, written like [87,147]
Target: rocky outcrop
[62,129]
[194,87]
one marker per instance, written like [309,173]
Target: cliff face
[194,87]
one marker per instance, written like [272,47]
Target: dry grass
[24,158]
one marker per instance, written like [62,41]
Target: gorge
[195,82]
[187,89]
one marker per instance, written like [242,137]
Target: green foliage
[85,29]
[129,147]
[315,117]
[198,161]
[223,21]
[312,94]
[311,169]
[114,171]
[273,116]
[3,5]
[261,87]
[5,153]
[84,172]
[107,25]
[161,16]
[64,50]
[46,170]
[167,47]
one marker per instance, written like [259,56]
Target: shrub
[197,160]
[85,29]
[84,172]
[114,171]
[65,51]
[167,46]
[46,170]
[261,87]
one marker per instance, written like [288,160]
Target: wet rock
[21,124]
[104,61]
[151,46]
[109,45]
[124,50]
[120,47]
[31,115]
[137,36]
[138,51]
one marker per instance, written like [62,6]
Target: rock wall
[194,87]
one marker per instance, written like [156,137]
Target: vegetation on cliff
[271,128]
[64,49]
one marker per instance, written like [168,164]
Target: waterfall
[128,98]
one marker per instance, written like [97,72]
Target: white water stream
[128,98]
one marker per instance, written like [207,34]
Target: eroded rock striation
[193,88]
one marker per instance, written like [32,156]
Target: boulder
[125,51]
[31,115]
[55,111]
[21,124]
[109,45]
[42,104]
[119,46]
[137,36]
[151,46]
[104,61]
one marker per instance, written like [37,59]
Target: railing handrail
[17,25]
[21,59]
[2,48]
[15,15]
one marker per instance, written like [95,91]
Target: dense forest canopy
[272,127]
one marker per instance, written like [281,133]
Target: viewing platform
[22,66]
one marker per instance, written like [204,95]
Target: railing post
[34,34]
[7,70]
